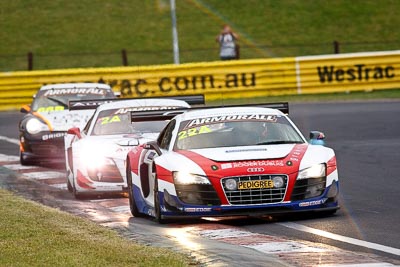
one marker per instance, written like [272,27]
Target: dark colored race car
[48,118]
[229,161]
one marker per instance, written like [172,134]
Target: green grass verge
[36,235]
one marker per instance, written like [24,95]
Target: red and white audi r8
[238,160]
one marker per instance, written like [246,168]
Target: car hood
[65,119]
[245,153]
[285,158]
[113,146]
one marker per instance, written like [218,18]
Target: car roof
[221,111]
[144,102]
[75,85]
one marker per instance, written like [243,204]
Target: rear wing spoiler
[89,103]
[94,103]
[167,114]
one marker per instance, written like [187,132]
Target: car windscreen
[57,99]
[113,121]
[240,130]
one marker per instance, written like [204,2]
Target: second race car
[96,155]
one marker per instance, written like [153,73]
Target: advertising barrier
[348,72]
[221,79]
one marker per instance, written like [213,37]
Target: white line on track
[341,238]
[60,186]
[378,264]
[44,175]
[122,209]
[4,157]
[8,139]
[16,167]
[225,233]
[286,247]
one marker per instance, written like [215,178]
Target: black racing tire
[25,162]
[157,208]
[69,186]
[76,194]
[132,203]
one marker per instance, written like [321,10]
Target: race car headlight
[231,184]
[315,171]
[94,158]
[34,126]
[278,181]
[189,178]
[98,162]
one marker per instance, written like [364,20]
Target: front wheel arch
[132,203]
[157,208]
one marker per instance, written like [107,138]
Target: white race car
[241,160]
[96,155]
[47,119]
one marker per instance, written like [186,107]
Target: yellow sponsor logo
[255,184]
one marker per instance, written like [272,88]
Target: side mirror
[153,145]
[317,138]
[117,94]
[25,109]
[75,131]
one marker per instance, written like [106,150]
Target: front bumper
[316,204]
[104,179]
[46,146]
[172,207]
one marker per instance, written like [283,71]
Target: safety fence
[222,80]
[129,56]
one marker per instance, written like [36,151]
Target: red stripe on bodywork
[134,158]
[331,166]
[164,174]
[295,156]
[287,165]
[82,181]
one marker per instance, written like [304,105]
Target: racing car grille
[196,194]
[47,150]
[255,195]
[108,174]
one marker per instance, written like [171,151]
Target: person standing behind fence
[228,47]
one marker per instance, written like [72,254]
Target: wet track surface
[366,139]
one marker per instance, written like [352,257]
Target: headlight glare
[34,126]
[94,158]
[315,171]
[189,178]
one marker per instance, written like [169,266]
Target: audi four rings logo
[255,169]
